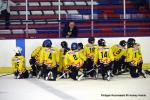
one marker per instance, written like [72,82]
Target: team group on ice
[81,61]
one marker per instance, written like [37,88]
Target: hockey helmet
[131,42]
[80,46]
[101,42]
[18,50]
[74,46]
[91,40]
[47,43]
[64,44]
[123,43]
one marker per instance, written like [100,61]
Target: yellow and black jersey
[118,51]
[36,53]
[89,50]
[134,56]
[49,56]
[62,53]
[138,47]
[82,52]
[74,58]
[103,54]
[18,64]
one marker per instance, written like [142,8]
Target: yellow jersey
[36,53]
[89,50]
[134,55]
[118,51]
[103,54]
[18,64]
[74,58]
[61,61]
[49,56]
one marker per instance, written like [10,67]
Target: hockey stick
[65,74]
[6,74]
[62,75]
[87,72]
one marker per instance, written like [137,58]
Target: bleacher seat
[5,31]
[80,3]
[61,12]
[42,14]
[36,12]
[72,12]
[24,12]
[94,3]
[69,3]
[17,31]
[14,13]
[45,3]
[48,12]
[56,3]
[34,4]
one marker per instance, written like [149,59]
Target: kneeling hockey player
[62,53]
[104,57]
[34,61]
[74,61]
[49,58]
[89,50]
[119,53]
[18,64]
[134,59]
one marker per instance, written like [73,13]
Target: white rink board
[6,52]
[7,47]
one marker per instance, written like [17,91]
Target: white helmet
[18,50]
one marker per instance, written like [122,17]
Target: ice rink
[119,88]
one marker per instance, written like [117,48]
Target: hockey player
[89,52]
[62,53]
[103,57]
[138,47]
[134,59]
[81,49]
[49,58]
[18,64]
[119,53]
[34,61]
[74,60]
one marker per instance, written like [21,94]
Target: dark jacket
[74,31]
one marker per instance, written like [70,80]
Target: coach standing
[70,30]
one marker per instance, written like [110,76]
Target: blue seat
[128,11]
[89,11]
[45,30]
[117,29]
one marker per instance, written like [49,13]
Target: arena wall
[28,45]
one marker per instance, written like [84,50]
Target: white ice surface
[67,89]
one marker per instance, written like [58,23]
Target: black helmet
[101,42]
[123,43]
[131,42]
[64,44]
[91,40]
[80,46]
